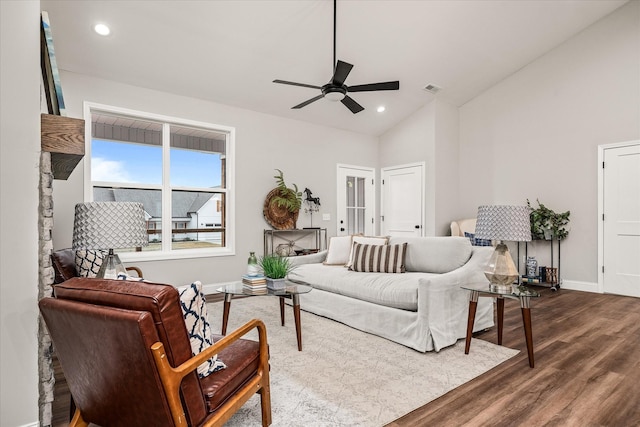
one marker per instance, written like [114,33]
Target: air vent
[432,88]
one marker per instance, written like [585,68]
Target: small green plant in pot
[547,224]
[275,268]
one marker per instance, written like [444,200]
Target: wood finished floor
[587,373]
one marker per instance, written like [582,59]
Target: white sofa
[423,308]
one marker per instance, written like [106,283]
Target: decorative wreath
[279,217]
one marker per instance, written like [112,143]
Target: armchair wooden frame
[172,377]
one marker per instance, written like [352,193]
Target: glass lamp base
[501,271]
[111,267]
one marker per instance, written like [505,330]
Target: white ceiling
[229,52]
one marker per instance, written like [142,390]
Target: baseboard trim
[34,424]
[580,286]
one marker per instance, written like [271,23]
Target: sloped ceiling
[229,52]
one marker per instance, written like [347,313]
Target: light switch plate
[326,217]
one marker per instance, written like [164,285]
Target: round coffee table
[292,290]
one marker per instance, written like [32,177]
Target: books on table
[254,284]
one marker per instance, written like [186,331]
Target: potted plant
[275,268]
[547,224]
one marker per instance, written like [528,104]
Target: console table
[292,239]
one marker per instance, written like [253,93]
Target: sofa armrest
[443,302]
[308,259]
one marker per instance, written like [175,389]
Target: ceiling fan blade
[352,105]
[342,71]
[284,82]
[307,102]
[375,86]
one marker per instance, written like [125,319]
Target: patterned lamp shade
[509,223]
[109,225]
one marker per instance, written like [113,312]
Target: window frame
[229,190]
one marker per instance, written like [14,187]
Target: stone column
[45,289]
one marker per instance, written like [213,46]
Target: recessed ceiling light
[102,29]
[381,109]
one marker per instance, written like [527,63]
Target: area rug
[346,377]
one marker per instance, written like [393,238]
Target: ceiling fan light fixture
[335,94]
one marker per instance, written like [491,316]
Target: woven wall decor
[278,217]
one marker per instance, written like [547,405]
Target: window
[181,171]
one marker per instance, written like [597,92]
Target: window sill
[177,254]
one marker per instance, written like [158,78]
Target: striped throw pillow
[378,258]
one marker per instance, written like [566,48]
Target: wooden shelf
[63,137]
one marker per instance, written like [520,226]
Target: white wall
[535,134]
[307,154]
[446,167]
[19,164]
[429,135]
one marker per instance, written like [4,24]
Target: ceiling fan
[336,90]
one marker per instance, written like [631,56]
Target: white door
[356,200]
[621,221]
[403,200]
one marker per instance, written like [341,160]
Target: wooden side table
[521,293]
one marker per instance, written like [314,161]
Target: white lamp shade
[500,222]
[109,225]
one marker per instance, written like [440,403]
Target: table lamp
[109,225]
[503,223]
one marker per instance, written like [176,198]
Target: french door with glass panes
[356,200]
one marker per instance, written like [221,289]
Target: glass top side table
[521,293]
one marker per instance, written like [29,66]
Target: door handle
[341,229]
[417,226]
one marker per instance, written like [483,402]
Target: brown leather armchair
[126,355]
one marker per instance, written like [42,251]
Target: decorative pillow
[477,242]
[88,262]
[339,250]
[366,240]
[194,310]
[379,258]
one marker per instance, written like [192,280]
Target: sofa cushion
[243,359]
[435,254]
[339,250]
[391,290]
[366,240]
[194,310]
[378,258]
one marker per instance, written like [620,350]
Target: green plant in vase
[546,224]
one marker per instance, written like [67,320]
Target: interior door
[403,200]
[621,221]
[356,200]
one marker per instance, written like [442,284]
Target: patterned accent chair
[126,355]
